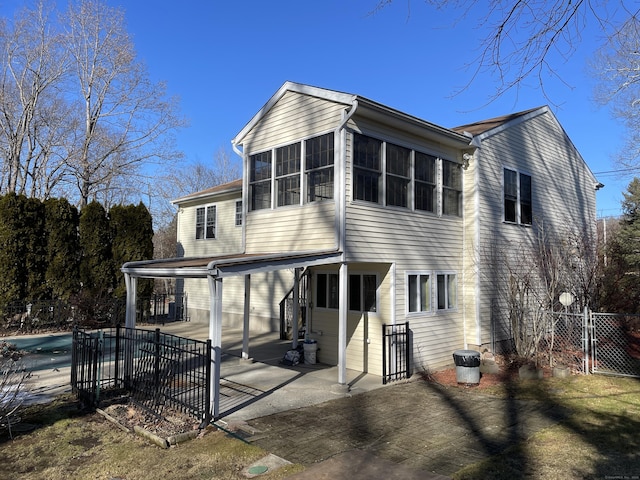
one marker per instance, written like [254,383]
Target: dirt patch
[171,423]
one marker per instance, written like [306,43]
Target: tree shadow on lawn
[600,419]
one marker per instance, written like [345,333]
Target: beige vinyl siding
[267,290]
[563,193]
[364,330]
[293,228]
[295,116]
[414,241]
[228,235]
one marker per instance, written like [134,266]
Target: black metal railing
[396,352]
[155,369]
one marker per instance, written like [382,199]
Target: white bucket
[310,349]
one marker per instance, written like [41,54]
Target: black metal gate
[396,352]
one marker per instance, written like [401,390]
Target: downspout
[341,214]
[240,153]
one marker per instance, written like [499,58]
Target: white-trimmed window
[367,168]
[206,222]
[418,292]
[446,291]
[398,175]
[239,213]
[288,175]
[425,187]
[517,197]
[319,160]
[327,294]
[363,292]
[260,180]
[279,177]
[451,188]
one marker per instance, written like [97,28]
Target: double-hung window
[446,291]
[517,197]
[419,292]
[260,180]
[239,213]
[288,175]
[451,188]
[398,175]
[363,295]
[367,173]
[206,222]
[319,159]
[327,290]
[425,188]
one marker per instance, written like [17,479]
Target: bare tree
[617,66]
[33,66]
[523,39]
[127,120]
[193,177]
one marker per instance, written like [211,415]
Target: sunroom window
[366,168]
[288,175]
[451,188]
[425,182]
[398,169]
[260,180]
[319,160]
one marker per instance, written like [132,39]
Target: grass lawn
[70,444]
[600,438]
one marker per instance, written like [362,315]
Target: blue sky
[225,59]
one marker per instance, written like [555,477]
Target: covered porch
[214,270]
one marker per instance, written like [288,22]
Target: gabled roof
[353,101]
[483,126]
[229,187]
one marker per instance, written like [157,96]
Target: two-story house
[380,216]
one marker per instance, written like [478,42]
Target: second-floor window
[517,197]
[293,180]
[288,175]
[451,188]
[397,176]
[260,180]
[206,222]
[239,213]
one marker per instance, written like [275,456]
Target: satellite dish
[566,299]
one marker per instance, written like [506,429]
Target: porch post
[296,306]
[247,310]
[342,324]
[130,323]
[215,334]
[130,312]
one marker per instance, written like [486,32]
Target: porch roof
[229,265]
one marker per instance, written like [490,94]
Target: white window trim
[241,204]
[382,193]
[419,273]
[361,273]
[518,220]
[316,282]
[215,224]
[435,291]
[302,173]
